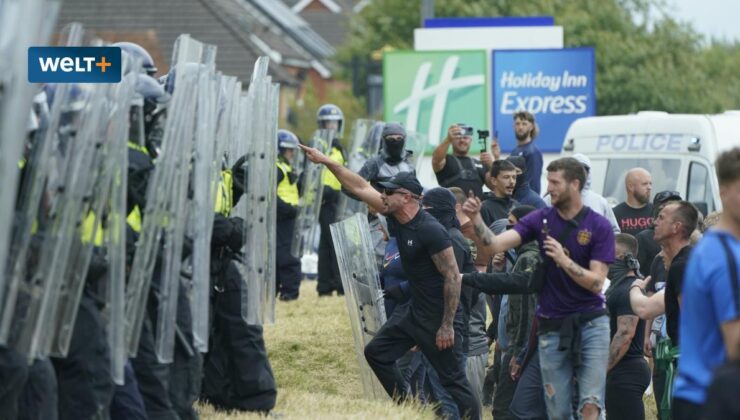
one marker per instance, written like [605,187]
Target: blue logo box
[74,64]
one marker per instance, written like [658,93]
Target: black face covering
[441,205]
[619,269]
[393,150]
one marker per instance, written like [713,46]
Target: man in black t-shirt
[635,214]
[628,375]
[647,248]
[428,259]
[673,228]
[458,169]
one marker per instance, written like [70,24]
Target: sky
[717,18]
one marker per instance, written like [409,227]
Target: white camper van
[678,149]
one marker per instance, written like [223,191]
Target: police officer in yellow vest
[288,267]
[330,117]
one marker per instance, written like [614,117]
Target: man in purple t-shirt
[576,244]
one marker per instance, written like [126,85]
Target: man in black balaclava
[392,159]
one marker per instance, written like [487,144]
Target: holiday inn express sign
[429,91]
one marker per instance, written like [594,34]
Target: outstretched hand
[314,155]
[471,207]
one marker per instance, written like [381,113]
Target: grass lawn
[312,354]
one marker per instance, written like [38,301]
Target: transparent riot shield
[167,210]
[312,191]
[362,291]
[258,295]
[416,144]
[205,174]
[111,103]
[23,23]
[364,144]
[197,58]
[48,213]
[113,289]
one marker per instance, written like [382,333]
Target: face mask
[394,149]
[619,269]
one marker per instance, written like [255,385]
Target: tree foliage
[645,59]
[302,111]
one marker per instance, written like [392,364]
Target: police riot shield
[58,172]
[312,191]
[364,144]
[362,290]
[166,212]
[23,23]
[109,131]
[416,144]
[195,75]
[113,289]
[258,295]
[208,146]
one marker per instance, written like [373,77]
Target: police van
[679,151]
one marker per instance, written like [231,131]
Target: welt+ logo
[74,65]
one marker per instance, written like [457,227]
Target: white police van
[679,150]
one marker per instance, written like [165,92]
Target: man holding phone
[458,169]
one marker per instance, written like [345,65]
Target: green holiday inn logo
[429,91]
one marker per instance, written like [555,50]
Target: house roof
[295,26]
[155,24]
[329,18]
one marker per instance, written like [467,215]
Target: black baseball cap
[664,196]
[405,180]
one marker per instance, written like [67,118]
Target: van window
[698,187]
[664,173]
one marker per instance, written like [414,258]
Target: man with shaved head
[635,214]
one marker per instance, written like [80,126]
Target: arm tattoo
[447,266]
[485,234]
[626,326]
[584,278]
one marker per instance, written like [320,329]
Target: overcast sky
[717,18]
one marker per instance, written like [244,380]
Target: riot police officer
[236,372]
[330,117]
[392,159]
[288,267]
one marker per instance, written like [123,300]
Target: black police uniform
[329,279]
[236,372]
[288,267]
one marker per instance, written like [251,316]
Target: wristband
[637,286]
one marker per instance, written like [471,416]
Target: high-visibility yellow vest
[286,190]
[327,177]
[138,147]
[224,193]
[134,219]
[88,227]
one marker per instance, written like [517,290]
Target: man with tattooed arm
[577,245]
[433,321]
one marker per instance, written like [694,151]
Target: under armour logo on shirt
[410,242]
